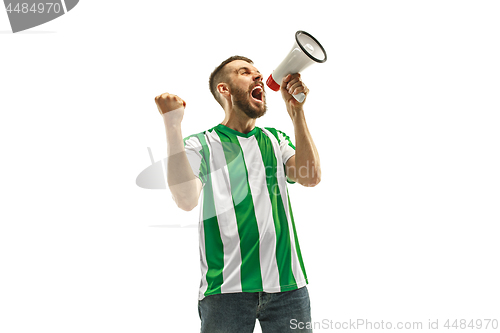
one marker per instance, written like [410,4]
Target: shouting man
[251,264]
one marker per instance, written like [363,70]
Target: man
[249,252]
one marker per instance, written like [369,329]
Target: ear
[223,89]
[225,94]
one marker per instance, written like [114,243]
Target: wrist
[171,124]
[296,114]
[173,119]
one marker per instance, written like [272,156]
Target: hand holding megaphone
[305,52]
[292,88]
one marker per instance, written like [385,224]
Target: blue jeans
[237,312]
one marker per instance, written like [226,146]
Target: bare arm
[304,167]
[183,184]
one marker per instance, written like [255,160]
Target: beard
[241,102]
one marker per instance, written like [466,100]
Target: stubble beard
[241,101]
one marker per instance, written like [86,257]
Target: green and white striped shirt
[247,236]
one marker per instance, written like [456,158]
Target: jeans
[236,312]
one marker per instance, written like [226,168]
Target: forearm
[307,164]
[182,183]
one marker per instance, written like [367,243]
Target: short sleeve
[195,156]
[286,146]
[287,149]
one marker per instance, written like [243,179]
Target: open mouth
[258,94]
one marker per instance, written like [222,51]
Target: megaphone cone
[305,51]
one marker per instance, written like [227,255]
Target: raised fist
[169,102]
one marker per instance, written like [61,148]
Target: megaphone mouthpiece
[272,84]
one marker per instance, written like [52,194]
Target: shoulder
[279,135]
[273,131]
[198,137]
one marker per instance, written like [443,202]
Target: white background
[405,114]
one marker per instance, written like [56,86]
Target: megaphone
[305,51]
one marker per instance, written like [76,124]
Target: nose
[257,76]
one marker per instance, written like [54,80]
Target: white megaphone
[306,51]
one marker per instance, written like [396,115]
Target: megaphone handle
[300,97]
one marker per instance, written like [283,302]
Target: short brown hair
[220,75]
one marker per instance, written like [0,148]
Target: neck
[238,121]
